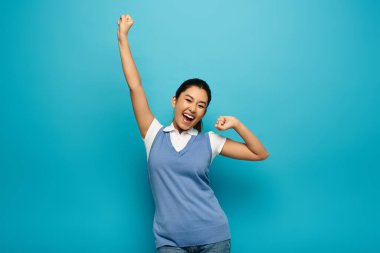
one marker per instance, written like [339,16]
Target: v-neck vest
[187,210]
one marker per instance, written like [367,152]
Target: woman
[188,217]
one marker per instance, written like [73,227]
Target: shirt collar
[191,131]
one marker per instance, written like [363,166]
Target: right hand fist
[125,22]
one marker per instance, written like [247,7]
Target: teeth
[187,115]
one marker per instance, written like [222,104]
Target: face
[193,103]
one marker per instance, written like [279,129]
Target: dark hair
[199,83]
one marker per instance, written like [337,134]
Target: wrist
[237,125]
[122,37]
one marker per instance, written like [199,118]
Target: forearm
[129,67]
[252,142]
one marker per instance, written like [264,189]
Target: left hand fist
[125,23]
[226,122]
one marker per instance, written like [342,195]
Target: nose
[192,108]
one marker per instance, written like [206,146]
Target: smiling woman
[189,117]
[190,104]
[188,215]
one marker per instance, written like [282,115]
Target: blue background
[302,75]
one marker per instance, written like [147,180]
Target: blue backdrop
[302,75]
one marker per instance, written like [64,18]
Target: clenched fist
[125,22]
[226,122]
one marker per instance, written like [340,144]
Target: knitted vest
[187,211]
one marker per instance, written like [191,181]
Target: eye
[188,100]
[201,106]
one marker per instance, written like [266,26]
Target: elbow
[264,156]
[257,157]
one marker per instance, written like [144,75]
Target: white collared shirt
[179,141]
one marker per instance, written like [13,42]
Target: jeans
[217,247]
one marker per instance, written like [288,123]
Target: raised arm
[251,150]
[143,114]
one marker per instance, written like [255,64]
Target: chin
[185,127]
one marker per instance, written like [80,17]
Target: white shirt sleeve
[217,142]
[153,129]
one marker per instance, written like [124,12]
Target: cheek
[201,115]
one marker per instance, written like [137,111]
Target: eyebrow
[193,98]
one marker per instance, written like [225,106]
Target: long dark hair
[201,84]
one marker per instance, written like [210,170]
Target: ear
[174,101]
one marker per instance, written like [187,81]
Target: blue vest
[187,211]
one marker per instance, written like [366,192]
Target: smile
[188,118]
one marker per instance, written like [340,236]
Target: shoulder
[217,142]
[151,134]
[216,137]
[154,127]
